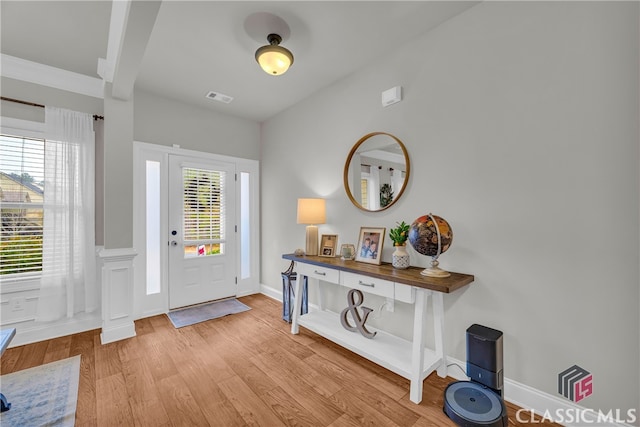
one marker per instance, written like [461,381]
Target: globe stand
[434,270]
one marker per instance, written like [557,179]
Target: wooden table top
[410,276]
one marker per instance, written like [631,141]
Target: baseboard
[277,295]
[271,292]
[117,333]
[246,293]
[35,332]
[150,313]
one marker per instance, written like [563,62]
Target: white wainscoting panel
[117,294]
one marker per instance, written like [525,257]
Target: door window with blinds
[204,212]
[21,205]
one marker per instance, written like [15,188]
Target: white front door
[202,238]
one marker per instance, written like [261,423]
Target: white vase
[400,257]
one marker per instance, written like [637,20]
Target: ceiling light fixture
[274,59]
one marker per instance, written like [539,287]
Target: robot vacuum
[470,404]
[479,402]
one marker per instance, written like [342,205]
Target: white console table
[409,359]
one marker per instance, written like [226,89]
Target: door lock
[174,243]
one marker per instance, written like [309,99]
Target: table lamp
[311,212]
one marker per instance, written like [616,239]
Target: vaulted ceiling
[193,47]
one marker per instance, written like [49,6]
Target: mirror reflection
[376,171]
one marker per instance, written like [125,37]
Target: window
[153,227]
[47,236]
[21,205]
[364,191]
[245,225]
[203,212]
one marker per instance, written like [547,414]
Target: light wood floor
[245,369]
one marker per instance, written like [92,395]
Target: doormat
[45,395]
[201,313]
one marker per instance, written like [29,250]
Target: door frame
[247,278]
[212,277]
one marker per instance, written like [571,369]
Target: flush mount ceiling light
[274,59]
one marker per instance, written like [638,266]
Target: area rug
[201,313]
[45,395]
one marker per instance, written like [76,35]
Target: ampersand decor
[353,308]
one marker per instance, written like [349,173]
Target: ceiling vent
[220,97]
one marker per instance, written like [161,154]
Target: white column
[117,294]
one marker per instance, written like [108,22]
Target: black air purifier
[478,402]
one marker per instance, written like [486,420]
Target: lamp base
[435,271]
[312,240]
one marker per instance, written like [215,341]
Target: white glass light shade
[274,59]
[311,211]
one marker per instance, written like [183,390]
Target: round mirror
[376,172]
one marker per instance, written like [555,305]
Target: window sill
[19,284]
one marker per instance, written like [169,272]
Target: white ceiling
[201,46]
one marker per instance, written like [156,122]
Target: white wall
[521,120]
[118,171]
[37,94]
[159,120]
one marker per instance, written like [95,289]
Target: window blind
[204,217]
[21,204]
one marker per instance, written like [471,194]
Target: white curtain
[68,243]
[397,180]
[374,188]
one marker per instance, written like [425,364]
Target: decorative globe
[423,236]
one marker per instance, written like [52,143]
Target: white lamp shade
[274,60]
[312,211]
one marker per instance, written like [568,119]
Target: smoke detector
[220,97]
